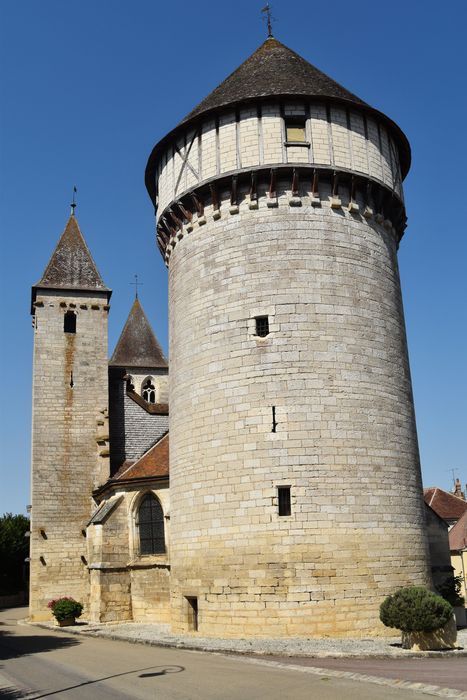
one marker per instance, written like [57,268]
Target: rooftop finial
[268,18]
[136,283]
[73,203]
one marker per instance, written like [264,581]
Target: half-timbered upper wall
[336,136]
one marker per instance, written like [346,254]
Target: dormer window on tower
[149,391]
[69,322]
[295,130]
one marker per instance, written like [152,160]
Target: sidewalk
[159,635]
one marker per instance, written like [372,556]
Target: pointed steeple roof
[71,265]
[137,345]
[273,70]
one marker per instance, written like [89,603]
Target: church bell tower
[70,404]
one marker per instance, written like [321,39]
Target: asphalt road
[447,672]
[38,663]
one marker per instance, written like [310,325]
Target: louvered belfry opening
[151,526]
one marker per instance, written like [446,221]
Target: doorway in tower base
[191,607]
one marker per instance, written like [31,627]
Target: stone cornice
[269,187]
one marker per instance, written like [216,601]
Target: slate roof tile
[137,345]
[273,70]
[71,265]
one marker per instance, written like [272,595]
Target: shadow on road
[162,672]
[13,645]
[12,694]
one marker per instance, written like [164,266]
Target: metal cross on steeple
[136,283]
[268,18]
[73,203]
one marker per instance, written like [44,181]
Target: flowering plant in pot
[425,619]
[65,610]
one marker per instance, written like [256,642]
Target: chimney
[458,490]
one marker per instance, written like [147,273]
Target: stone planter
[66,622]
[461,617]
[443,638]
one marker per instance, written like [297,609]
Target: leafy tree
[14,548]
[451,589]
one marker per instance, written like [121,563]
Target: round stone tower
[296,500]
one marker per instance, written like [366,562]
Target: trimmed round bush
[415,609]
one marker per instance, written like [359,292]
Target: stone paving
[160,635]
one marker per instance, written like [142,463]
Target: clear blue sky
[87,88]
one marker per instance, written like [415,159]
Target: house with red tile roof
[448,506]
[452,508]
[458,547]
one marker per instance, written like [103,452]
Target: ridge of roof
[71,265]
[430,493]
[137,345]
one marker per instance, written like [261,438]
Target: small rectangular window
[69,322]
[295,131]
[283,493]
[262,326]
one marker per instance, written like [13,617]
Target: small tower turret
[70,390]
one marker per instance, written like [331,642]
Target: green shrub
[450,590]
[415,609]
[65,607]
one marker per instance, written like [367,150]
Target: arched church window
[149,391]
[69,322]
[151,526]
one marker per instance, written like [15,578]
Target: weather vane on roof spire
[73,204]
[268,18]
[136,283]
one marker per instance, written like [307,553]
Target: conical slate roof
[71,265]
[273,70]
[137,345]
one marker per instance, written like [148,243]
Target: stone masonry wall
[335,368]
[126,585]
[69,393]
